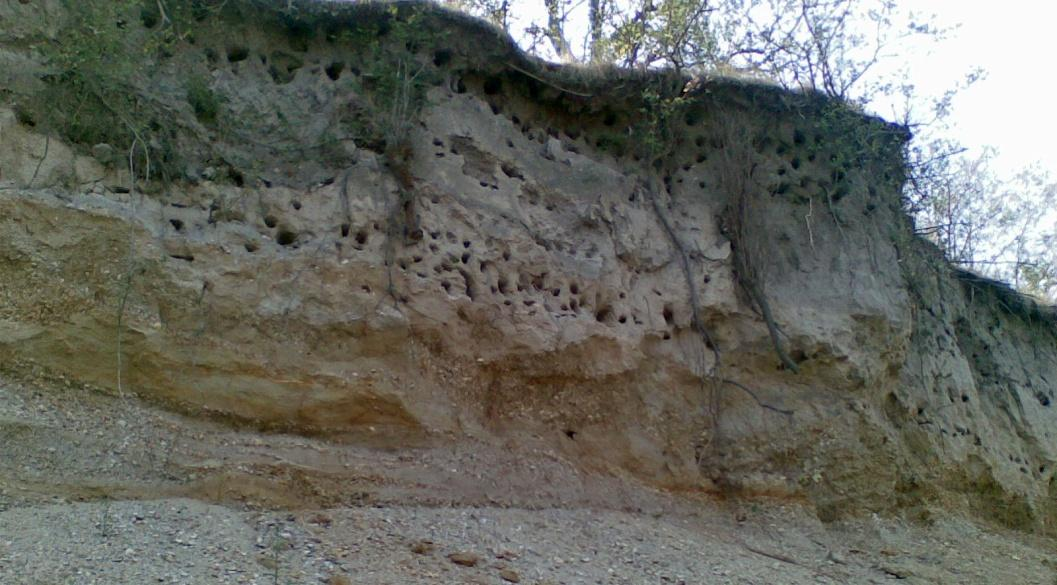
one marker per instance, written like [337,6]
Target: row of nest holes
[525,283]
[591,251]
[460,259]
[761,145]
[508,168]
[287,237]
[503,285]
[282,67]
[783,147]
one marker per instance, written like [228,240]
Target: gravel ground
[97,490]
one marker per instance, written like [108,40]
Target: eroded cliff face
[510,277]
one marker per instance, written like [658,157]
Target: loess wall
[510,276]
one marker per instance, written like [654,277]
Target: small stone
[510,575]
[423,547]
[338,579]
[465,559]
[836,558]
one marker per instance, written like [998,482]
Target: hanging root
[684,262]
[756,398]
[404,222]
[736,177]
[750,278]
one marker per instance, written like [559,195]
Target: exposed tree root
[691,283]
[752,282]
[736,178]
[759,402]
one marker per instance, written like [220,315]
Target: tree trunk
[556,30]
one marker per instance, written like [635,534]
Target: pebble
[423,547]
[465,559]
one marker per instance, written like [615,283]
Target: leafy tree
[1004,229]
[825,45]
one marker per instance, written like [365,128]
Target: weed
[656,130]
[278,545]
[395,76]
[90,95]
[204,101]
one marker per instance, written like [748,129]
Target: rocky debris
[60,523]
[182,541]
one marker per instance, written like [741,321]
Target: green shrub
[89,95]
[204,101]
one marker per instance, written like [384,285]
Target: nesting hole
[237,53]
[668,314]
[492,86]
[286,237]
[334,70]
[149,18]
[442,57]
[511,171]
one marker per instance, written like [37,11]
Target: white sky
[1015,107]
